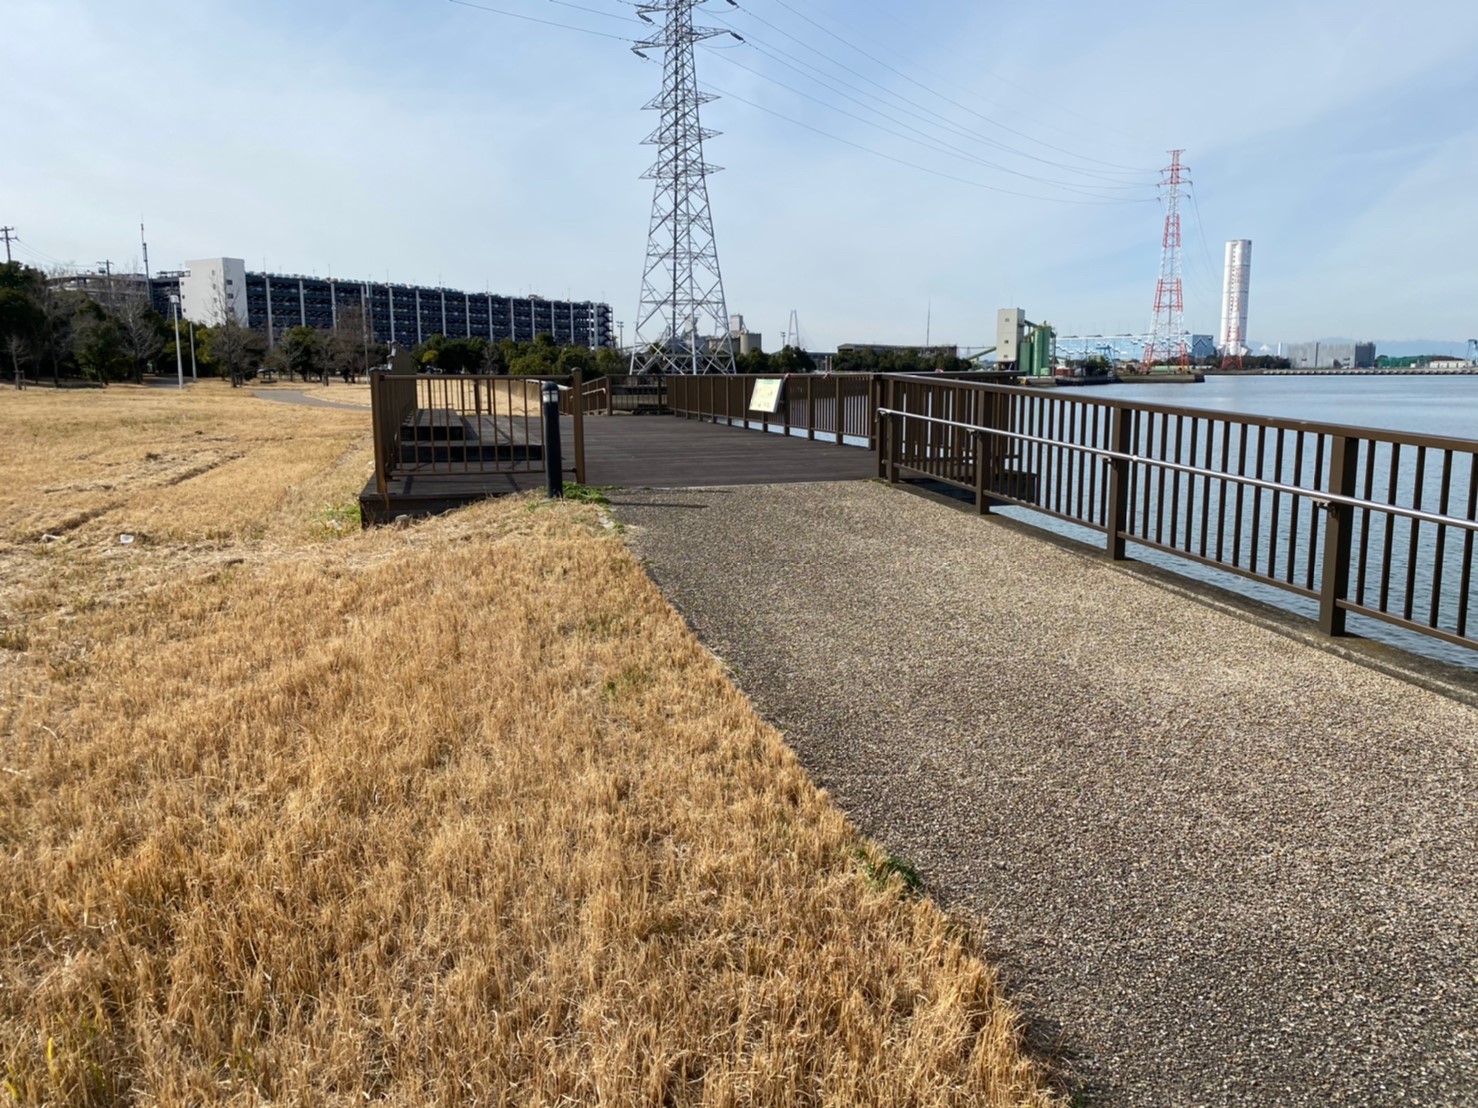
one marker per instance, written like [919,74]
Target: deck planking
[638,452]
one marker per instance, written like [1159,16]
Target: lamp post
[179,355]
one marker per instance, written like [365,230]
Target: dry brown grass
[453,814]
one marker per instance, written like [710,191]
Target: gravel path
[1218,865]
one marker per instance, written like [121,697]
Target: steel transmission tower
[1167,345]
[683,323]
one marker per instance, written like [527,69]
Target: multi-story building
[1332,355]
[274,303]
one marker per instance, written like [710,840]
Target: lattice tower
[683,323]
[1167,345]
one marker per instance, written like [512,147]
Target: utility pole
[7,233]
[682,324]
[145,243]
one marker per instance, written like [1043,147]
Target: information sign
[766,395]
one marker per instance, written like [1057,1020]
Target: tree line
[48,331]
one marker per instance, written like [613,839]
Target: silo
[1232,339]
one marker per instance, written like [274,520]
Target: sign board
[766,395]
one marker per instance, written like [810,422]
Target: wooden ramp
[639,452]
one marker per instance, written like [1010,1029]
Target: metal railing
[1379,523]
[463,425]
[837,407]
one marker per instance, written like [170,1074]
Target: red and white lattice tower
[1167,345]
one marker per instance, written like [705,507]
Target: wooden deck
[639,452]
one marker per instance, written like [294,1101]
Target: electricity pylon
[683,323]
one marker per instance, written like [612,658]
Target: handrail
[1373,434]
[1318,496]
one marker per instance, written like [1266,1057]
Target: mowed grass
[458,813]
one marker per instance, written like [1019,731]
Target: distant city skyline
[443,144]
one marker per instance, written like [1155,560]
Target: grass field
[458,813]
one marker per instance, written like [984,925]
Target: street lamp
[179,355]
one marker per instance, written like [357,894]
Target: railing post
[610,396]
[874,402]
[578,384]
[811,407]
[981,506]
[1117,515]
[1344,461]
[839,419]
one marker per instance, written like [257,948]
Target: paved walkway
[303,399]
[1219,866]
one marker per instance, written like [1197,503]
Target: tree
[17,350]
[610,362]
[303,347]
[98,345]
[792,359]
[234,350]
[21,317]
[351,348]
[54,336]
[144,331]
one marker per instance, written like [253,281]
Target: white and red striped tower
[1167,345]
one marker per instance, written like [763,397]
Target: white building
[1232,338]
[212,288]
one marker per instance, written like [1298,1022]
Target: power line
[903,161]
[934,92]
[925,114]
[1103,173]
[930,144]
[1031,93]
[544,22]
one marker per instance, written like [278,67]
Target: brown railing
[837,407]
[1380,523]
[594,398]
[462,425]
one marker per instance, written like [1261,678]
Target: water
[1420,405]
[1442,406]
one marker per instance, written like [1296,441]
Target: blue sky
[435,142]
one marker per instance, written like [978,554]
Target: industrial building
[1332,355]
[1231,340]
[274,303]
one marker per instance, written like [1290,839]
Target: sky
[893,172]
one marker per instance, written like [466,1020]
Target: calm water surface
[1445,406]
[1441,406]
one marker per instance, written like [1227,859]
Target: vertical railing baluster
[1164,454]
[1121,431]
[1408,602]
[1206,486]
[1344,460]
[1190,485]
[1466,577]
[1392,487]
[1313,511]
[1294,506]
[1257,499]
[1443,499]
[1277,498]
[1241,493]
[1175,482]
[1221,492]
[1367,489]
